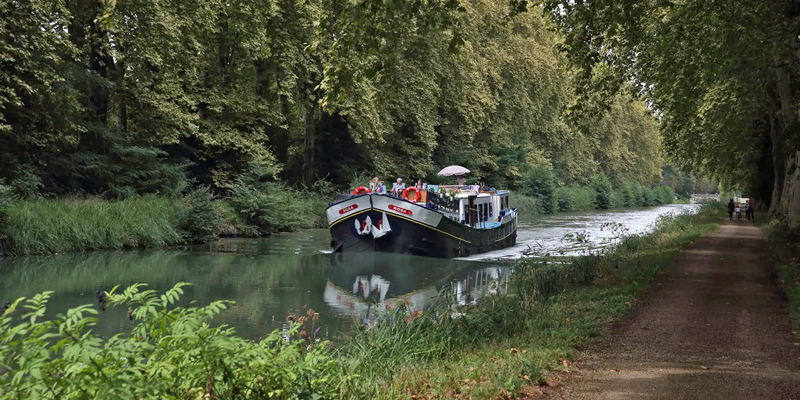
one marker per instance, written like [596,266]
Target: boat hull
[412,229]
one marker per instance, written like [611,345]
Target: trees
[721,74]
[126,98]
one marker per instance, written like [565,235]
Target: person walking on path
[751,211]
[713,326]
[747,210]
[730,210]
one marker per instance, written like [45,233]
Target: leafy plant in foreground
[170,353]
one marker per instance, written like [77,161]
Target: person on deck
[397,188]
[419,184]
[730,209]
[376,187]
[461,181]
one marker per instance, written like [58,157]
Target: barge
[439,221]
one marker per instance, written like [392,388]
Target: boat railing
[443,202]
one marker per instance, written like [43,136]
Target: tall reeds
[54,226]
[47,226]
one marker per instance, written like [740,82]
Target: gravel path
[714,326]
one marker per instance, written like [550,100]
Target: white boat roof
[464,195]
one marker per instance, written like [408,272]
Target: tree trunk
[310,119]
[791,192]
[122,110]
[778,163]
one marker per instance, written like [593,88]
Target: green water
[272,278]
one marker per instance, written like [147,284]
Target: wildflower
[310,312]
[315,318]
[301,320]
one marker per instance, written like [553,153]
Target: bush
[201,219]
[665,195]
[7,195]
[170,353]
[639,195]
[274,207]
[626,195]
[648,197]
[540,182]
[576,198]
[602,186]
[27,183]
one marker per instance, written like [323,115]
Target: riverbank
[785,246]
[506,344]
[49,226]
[499,345]
[714,326]
[600,195]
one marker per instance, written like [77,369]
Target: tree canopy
[722,75]
[129,97]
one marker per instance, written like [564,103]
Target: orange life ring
[361,190]
[405,194]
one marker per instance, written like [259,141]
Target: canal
[287,274]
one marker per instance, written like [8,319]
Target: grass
[785,246]
[49,226]
[56,226]
[507,343]
[526,205]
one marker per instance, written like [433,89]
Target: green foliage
[274,207]
[525,205]
[626,195]
[271,206]
[663,195]
[7,195]
[170,352]
[547,301]
[55,226]
[785,246]
[202,218]
[540,183]
[732,114]
[140,94]
[605,192]
[576,198]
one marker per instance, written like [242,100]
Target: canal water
[287,274]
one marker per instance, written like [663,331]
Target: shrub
[170,353]
[7,195]
[627,195]
[576,198]
[201,219]
[27,183]
[639,195]
[540,182]
[665,195]
[648,197]
[602,186]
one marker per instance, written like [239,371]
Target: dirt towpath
[714,326]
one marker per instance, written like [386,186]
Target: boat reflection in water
[364,285]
